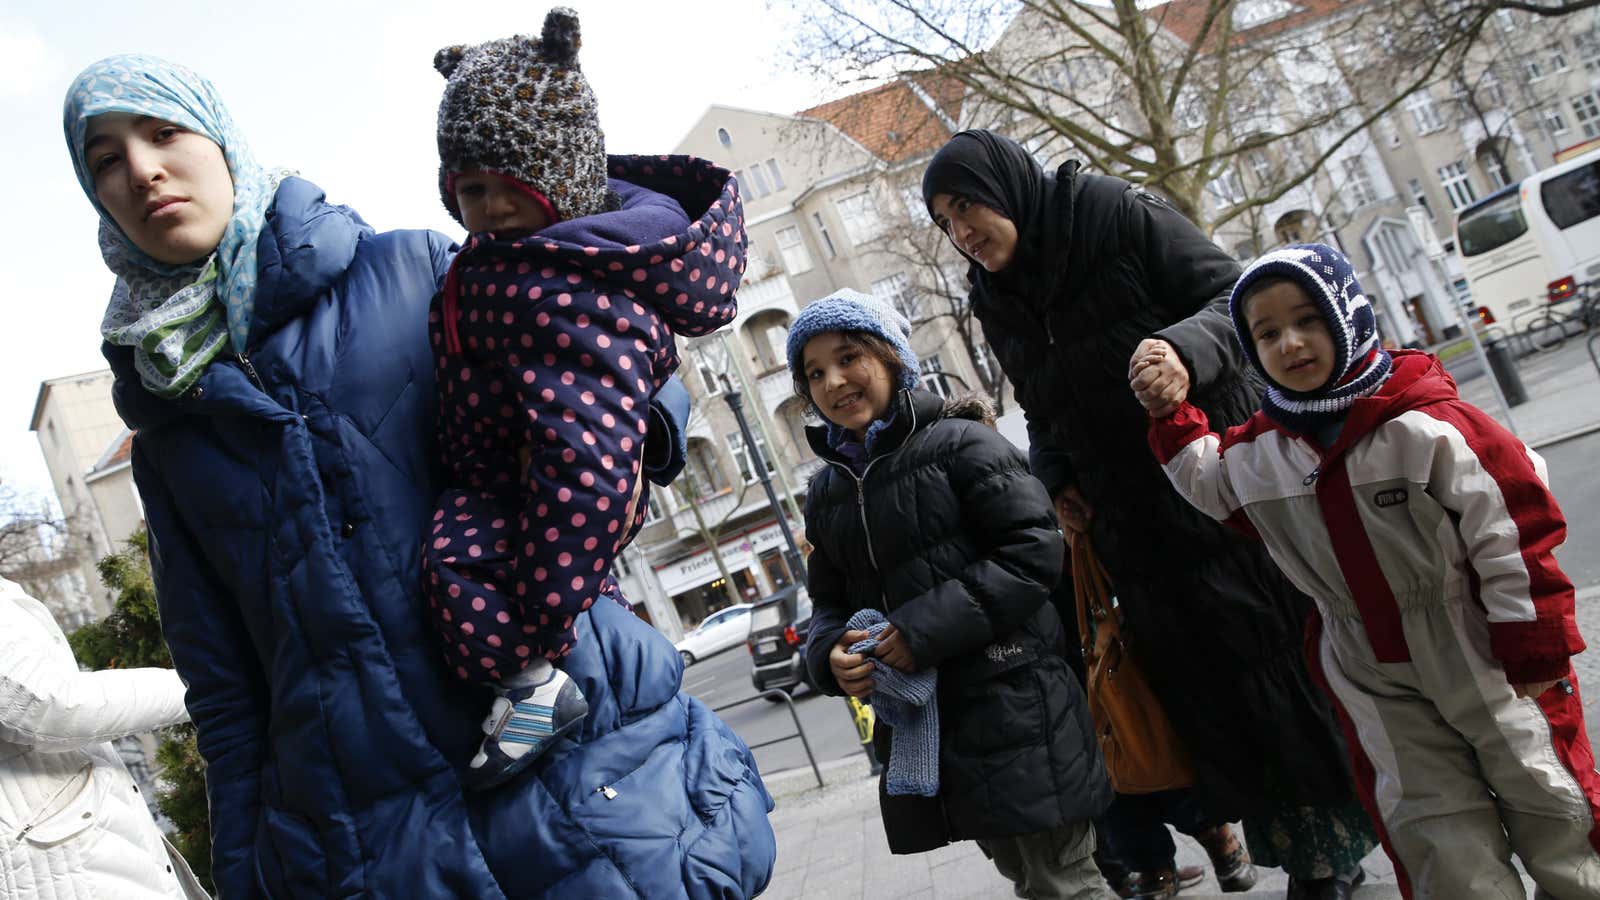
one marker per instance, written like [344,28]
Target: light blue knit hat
[850,310]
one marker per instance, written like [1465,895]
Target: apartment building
[832,200]
[86,451]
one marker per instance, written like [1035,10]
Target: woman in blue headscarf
[271,352]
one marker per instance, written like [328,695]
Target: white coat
[73,825]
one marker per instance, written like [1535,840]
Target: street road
[1575,480]
[725,678]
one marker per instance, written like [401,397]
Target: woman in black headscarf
[1073,275]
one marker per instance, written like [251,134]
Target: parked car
[778,628]
[722,629]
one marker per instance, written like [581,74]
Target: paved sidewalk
[831,844]
[1563,388]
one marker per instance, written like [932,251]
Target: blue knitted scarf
[908,704]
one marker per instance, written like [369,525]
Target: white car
[722,629]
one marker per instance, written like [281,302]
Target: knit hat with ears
[521,108]
[848,310]
[1360,365]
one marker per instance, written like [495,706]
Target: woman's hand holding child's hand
[853,671]
[1158,377]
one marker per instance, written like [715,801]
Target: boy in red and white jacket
[1425,533]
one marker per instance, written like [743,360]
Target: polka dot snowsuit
[548,350]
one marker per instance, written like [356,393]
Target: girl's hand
[1534,690]
[893,652]
[853,671]
[1158,377]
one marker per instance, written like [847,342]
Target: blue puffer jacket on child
[286,522]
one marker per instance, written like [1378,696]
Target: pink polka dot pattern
[561,343]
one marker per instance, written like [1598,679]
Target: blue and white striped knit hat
[850,310]
[1360,365]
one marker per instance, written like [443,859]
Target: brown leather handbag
[1142,752]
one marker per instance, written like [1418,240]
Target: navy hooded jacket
[287,497]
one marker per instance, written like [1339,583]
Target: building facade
[832,199]
[85,450]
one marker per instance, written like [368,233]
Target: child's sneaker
[534,707]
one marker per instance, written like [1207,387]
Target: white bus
[1534,242]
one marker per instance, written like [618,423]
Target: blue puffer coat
[286,527]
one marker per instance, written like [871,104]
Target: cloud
[27,61]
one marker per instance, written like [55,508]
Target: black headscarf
[997,172]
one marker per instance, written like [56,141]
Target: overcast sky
[342,92]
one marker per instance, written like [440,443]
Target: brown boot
[1235,872]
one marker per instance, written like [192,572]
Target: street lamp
[792,553]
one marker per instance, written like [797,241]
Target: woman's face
[850,386]
[166,187]
[980,232]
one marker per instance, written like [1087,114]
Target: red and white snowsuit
[1425,535]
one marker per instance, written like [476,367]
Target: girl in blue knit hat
[1425,532]
[935,554]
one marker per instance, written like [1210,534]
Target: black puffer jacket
[1218,628]
[949,534]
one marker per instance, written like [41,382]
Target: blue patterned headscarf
[170,313]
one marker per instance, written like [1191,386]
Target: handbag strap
[1092,588]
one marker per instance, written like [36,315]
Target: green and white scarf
[177,318]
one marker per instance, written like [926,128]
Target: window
[1357,182]
[860,217]
[1457,186]
[724,138]
[1226,188]
[1572,197]
[747,469]
[822,234]
[1424,112]
[1532,69]
[1558,58]
[1419,196]
[1589,50]
[1588,112]
[760,179]
[1495,170]
[776,175]
[933,377]
[1507,20]
[796,258]
[703,477]
[1491,225]
[1554,120]
[896,290]
[1260,167]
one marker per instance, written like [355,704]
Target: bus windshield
[1492,225]
[1572,197]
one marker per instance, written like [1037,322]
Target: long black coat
[1217,627]
[950,535]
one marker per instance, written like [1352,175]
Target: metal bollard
[1503,366]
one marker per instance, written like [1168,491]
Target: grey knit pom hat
[520,107]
